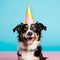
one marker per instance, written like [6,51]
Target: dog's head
[28,33]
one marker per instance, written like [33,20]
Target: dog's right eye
[25,28]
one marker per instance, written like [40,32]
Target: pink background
[13,56]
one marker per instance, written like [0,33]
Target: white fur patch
[28,55]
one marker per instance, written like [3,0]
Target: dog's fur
[29,41]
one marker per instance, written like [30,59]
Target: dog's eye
[25,28]
[34,28]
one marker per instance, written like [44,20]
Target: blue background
[12,12]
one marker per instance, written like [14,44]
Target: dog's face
[28,33]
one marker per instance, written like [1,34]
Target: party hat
[28,18]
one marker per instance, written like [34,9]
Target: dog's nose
[29,33]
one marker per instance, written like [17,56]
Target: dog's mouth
[29,40]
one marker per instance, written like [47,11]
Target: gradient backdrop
[12,13]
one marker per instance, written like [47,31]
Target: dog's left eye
[34,29]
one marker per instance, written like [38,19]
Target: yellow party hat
[28,18]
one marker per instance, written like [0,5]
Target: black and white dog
[29,41]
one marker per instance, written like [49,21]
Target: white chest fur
[26,55]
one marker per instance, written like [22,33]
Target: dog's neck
[26,50]
[36,52]
[29,47]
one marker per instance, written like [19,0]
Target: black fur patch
[18,54]
[38,53]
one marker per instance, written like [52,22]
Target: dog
[29,36]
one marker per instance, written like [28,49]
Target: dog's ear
[41,26]
[18,28]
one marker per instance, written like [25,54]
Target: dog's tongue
[29,42]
